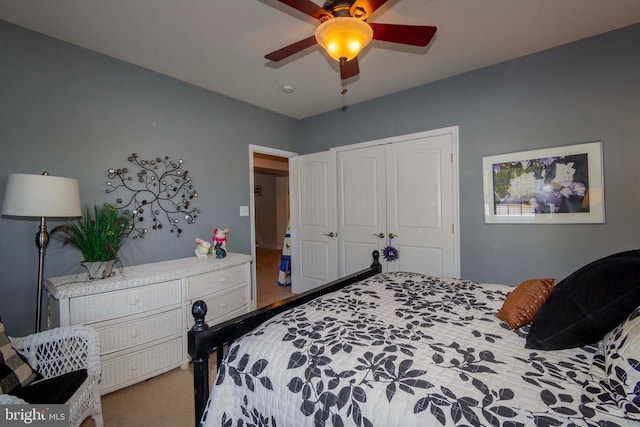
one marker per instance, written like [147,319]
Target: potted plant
[99,235]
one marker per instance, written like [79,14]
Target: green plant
[98,234]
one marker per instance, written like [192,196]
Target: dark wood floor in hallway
[267,268]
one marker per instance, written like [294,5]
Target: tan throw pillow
[522,304]
[14,371]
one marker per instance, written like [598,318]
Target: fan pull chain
[343,74]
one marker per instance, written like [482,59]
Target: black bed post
[376,262]
[200,358]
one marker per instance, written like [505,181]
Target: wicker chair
[59,351]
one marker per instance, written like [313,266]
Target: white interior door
[314,245]
[420,205]
[362,222]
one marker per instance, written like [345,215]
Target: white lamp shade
[41,196]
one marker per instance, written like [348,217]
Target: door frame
[252,210]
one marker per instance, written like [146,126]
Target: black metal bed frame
[203,340]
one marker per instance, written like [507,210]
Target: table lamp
[41,196]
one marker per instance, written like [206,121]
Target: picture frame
[257,190]
[557,185]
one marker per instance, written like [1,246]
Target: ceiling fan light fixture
[344,37]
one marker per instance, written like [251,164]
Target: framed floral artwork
[546,186]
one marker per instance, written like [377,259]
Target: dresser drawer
[220,304]
[121,336]
[131,368]
[207,283]
[111,305]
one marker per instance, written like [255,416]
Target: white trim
[455,136]
[252,210]
[399,138]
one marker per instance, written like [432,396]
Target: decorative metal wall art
[161,191]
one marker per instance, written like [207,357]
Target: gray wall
[581,92]
[77,113]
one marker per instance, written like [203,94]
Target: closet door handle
[391,235]
[379,235]
[331,234]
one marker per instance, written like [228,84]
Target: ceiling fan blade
[308,7]
[292,49]
[415,35]
[362,9]
[349,69]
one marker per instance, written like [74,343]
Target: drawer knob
[134,367]
[133,333]
[223,304]
[223,279]
[133,301]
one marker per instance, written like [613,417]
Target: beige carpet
[167,400]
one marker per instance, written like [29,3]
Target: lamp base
[42,240]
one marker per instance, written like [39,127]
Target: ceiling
[220,45]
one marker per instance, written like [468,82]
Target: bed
[404,349]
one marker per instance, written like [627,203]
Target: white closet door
[361,207]
[314,244]
[420,205]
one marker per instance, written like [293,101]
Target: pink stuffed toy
[220,241]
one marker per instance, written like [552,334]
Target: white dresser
[143,313]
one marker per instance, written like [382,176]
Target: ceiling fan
[344,32]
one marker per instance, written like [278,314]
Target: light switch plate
[244,210]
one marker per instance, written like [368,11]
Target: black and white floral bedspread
[402,349]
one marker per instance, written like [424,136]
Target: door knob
[380,235]
[331,234]
[391,235]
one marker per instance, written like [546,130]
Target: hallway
[267,268]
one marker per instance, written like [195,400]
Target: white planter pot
[99,269]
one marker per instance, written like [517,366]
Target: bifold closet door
[420,205]
[362,222]
[403,190]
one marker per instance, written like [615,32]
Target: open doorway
[270,181]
